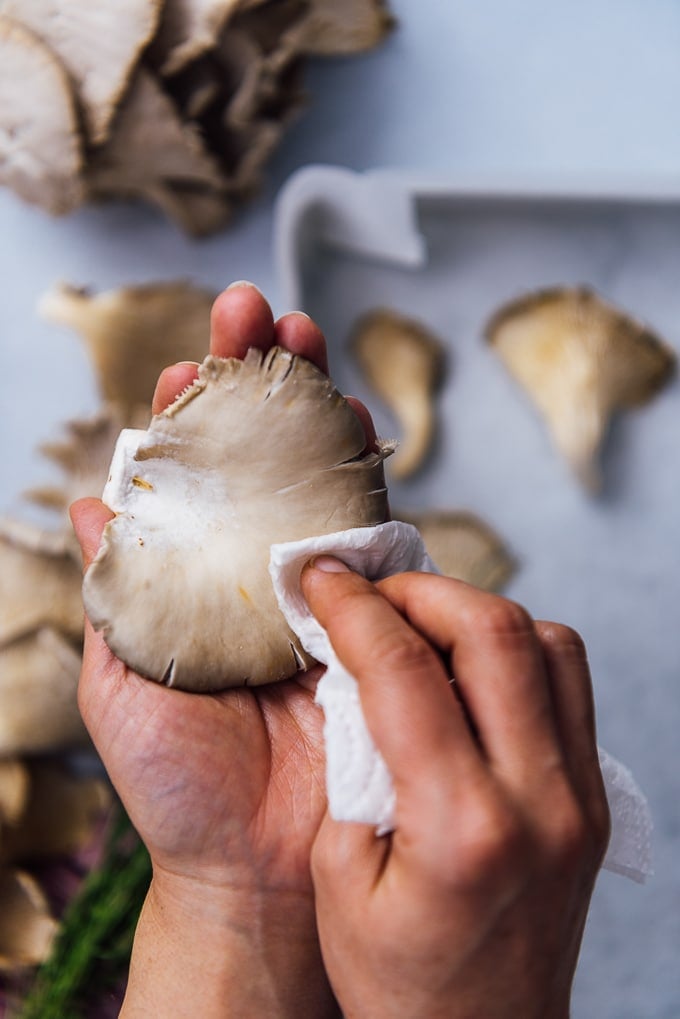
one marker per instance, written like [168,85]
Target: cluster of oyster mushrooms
[176,102]
[130,334]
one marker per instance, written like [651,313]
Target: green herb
[92,951]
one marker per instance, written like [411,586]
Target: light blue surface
[535,90]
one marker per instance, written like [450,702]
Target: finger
[171,382]
[89,518]
[240,318]
[497,660]
[296,332]
[572,694]
[416,723]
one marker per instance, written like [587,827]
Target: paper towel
[359,785]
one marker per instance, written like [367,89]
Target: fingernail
[243,283]
[329,564]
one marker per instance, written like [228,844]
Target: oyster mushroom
[37,588]
[257,451]
[98,43]
[38,681]
[83,456]
[581,360]
[189,29]
[40,149]
[463,546]
[27,930]
[332,28]
[403,362]
[145,326]
[151,151]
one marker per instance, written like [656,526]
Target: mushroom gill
[403,362]
[257,451]
[581,360]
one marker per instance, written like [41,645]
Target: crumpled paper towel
[359,785]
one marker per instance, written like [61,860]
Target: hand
[227,790]
[475,905]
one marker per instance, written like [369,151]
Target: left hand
[227,790]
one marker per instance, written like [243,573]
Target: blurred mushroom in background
[581,360]
[403,362]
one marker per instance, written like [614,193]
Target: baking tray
[449,252]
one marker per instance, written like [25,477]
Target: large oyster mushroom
[403,362]
[581,360]
[257,451]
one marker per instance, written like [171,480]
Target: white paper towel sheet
[359,785]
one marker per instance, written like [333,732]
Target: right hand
[475,905]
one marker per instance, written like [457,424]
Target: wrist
[216,951]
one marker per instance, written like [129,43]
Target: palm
[212,778]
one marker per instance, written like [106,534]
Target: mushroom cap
[99,43]
[581,360]
[403,362]
[465,547]
[38,587]
[38,682]
[40,148]
[255,452]
[131,333]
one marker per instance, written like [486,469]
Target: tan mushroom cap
[581,360]
[131,333]
[37,588]
[257,451]
[27,930]
[465,547]
[40,148]
[38,682]
[99,43]
[403,362]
